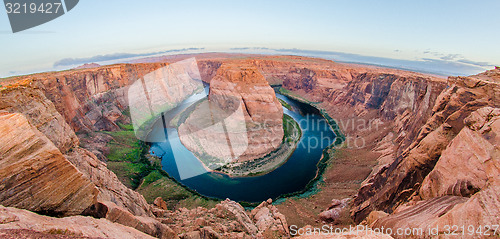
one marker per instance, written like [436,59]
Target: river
[292,176]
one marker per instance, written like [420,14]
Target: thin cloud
[451,57]
[427,65]
[457,58]
[476,63]
[248,48]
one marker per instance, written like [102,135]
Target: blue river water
[290,177]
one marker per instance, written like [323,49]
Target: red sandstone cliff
[435,138]
[250,116]
[455,155]
[421,126]
[44,168]
[53,106]
[93,99]
[35,174]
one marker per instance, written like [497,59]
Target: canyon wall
[27,98]
[93,99]
[43,157]
[432,142]
[455,155]
[252,117]
[462,188]
[35,175]
[69,180]
[435,140]
[403,178]
[44,168]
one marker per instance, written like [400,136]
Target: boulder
[268,219]
[333,212]
[158,202]
[116,214]
[27,224]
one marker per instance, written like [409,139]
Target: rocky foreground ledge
[227,219]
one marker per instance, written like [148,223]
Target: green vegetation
[158,184]
[125,147]
[286,105]
[290,127]
[128,173]
[340,138]
[126,157]
[129,159]
[127,127]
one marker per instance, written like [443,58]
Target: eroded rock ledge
[245,118]
[425,136]
[426,125]
[79,183]
[410,176]
[35,174]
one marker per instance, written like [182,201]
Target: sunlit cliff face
[242,119]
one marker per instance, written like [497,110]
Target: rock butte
[245,89]
[425,127]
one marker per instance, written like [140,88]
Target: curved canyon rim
[229,138]
[250,119]
[294,175]
[94,146]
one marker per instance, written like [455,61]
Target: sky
[421,35]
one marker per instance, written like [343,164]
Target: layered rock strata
[35,174]
[242,119]
[417,126]
[228,219]
[403,179]
[25,224]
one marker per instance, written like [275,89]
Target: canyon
[252,117]
[420,151]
